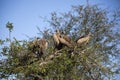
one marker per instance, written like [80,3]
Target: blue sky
[25,14]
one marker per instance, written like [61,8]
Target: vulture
[40,45]
[61,40]
[65,40]
[58,45]
[83,39]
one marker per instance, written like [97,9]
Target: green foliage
[96,60]
[9,26]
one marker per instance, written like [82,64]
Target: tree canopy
[99,59]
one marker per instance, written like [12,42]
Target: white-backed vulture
[65,40]
[61,40]
[40,45]
[43,44]
[57,43]
[84,39]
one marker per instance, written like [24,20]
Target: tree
[98,59]
[10,27]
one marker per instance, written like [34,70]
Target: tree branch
[37,77]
